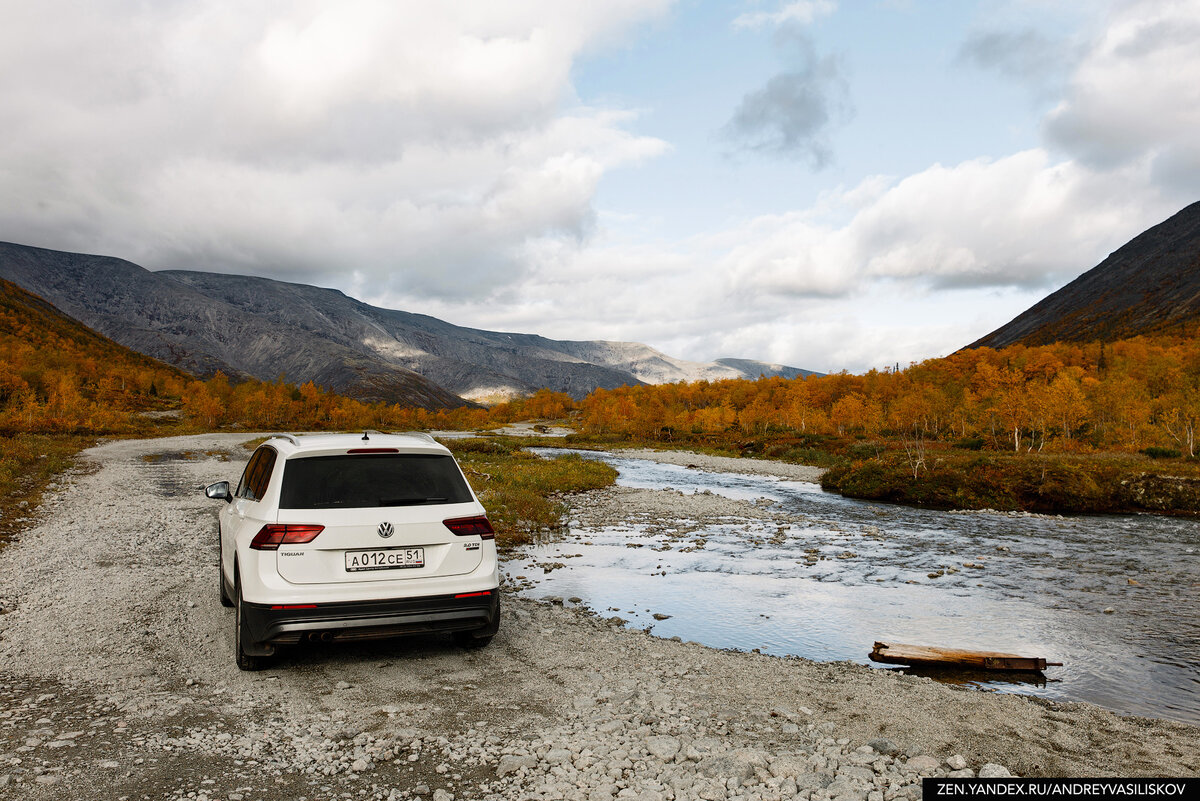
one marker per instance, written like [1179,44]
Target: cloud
[900,268]
[1025,55]
[792,114]
[801,12]
[1023,221]
[1136,93]
[888,270]
[425,144]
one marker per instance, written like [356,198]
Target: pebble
[883,745]
[923,764]
[512,763]
[663,747]
[993,771]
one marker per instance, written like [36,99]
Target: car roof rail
[425,435]
[289,437]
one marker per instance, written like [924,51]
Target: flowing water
[1115,598]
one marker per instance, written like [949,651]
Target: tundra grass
[1051,483]
[28,462]
[523,492]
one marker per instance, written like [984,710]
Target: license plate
[384,559]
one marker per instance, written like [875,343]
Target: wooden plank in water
[901,654]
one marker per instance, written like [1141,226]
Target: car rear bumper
[266,626]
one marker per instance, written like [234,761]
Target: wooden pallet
[926,655]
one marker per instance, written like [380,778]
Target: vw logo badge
[386,530]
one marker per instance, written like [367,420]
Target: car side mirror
[219,491]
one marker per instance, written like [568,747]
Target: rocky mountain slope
[48,335]
[168,320]
[244,325]
[1151,285]
[58,375]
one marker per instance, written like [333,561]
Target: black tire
[466,639]
[244,661]
[225,600]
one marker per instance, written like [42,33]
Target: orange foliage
[1122,395]
[58,376]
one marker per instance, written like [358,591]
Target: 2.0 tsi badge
[386,530]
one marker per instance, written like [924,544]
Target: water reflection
[1113,597]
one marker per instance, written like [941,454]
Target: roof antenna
[365,437]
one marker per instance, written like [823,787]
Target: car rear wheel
[467,639]
[244,661]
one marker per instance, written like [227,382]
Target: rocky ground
[117,682]
[727,464]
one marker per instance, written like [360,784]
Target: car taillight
[471,526]
[272,535]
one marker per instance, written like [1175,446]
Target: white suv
[348,536]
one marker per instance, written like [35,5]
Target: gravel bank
[727,464]
[117,681]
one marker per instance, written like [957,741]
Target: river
[1115,598]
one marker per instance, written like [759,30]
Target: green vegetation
[521,491]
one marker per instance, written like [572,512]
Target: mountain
[1151,285]
[168,320]
[39,345]
[260,327]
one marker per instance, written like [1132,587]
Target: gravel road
[117,683]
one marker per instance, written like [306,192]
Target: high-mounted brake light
[471,527]
[272,535]
[473,594]
[373,450]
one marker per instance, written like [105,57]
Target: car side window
[240,492]
[260,480]
[257,477]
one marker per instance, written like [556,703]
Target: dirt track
[117,680]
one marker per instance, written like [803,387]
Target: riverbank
[726,464]
[118,680]
[1052,484]
[947,477]
[758,563]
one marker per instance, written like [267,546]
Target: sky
[829,185]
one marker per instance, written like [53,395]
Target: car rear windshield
[331,482]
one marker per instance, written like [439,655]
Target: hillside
[57,374]
[258,327]
[164,318]
[1149,286]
